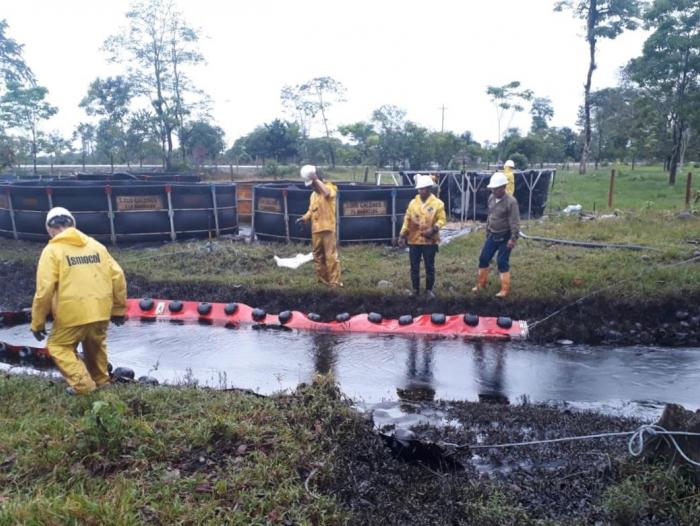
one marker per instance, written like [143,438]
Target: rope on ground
[635,444]
[609,287]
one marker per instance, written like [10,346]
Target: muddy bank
[667,321]
[563,483]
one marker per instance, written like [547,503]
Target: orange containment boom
[237,314]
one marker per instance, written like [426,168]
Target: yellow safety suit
[78,281]
[421,216]
[322,214]
[510,177]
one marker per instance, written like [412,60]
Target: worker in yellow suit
[424,218]
[508,168]
[322,215]
[83,287]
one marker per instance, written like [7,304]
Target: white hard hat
[306,172]
[58,211]
[497,180]
[509,164]
[423,181]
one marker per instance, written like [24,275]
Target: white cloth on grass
[295,262]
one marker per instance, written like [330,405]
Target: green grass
[134,455]
[645,187]
[540,272]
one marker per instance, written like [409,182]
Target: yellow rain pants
[85,376]
[326,260]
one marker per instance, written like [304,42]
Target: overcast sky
[416,55]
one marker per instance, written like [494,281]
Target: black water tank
[140,208]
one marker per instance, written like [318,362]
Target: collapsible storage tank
[366,213]
[466,197]
[120,211]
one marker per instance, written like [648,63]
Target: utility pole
[442,126]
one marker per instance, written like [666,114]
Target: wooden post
[688,190]
[611,192]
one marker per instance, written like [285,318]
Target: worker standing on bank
[508,168]
[424,218]
[83,287]
[502,231]
[322,215]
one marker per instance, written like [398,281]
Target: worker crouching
[83,287]
[322,215]
[502,231]
[424,218]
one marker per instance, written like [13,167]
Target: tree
[604,19]
[109,141]
[204,141]
[364,138]
[24,109]
[55,145]
[542,112]
[110,98]
[668,70]
[183,52]
[12,65]
[389,121]
[314,98]
[142,137]
[156,46]
[507,100]
[85,134]
[445,146]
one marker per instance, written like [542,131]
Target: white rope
[635,445]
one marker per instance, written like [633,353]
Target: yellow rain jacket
[510,177]
[78,281]
[322,210]
[420,216]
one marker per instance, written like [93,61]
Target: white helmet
[306,172]
[497,180]
[58,211]
[423,181]
[509,164]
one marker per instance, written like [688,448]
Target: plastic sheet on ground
[294,262]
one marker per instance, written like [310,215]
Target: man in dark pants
[502,231]
[424,218]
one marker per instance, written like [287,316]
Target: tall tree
[24,109]
[604,19]
[13,68]
[55,145]
[110,99]
[157,46]
[314,99]
[389,121]
[669,69]
[508,101]
[364,138]
[205,141]
[142,136]
[85,134]
[542,112]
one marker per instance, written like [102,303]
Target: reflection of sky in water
[372,369]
